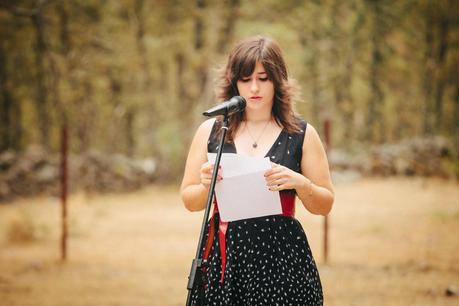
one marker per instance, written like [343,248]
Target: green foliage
[132,76]
[454,167]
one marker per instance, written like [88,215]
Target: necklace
[255,142]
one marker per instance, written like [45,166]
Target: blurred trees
[133,76]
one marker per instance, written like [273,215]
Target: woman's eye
[264,79]
[245,80]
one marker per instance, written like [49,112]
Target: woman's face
[257,89]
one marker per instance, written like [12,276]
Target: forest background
[131,78]
[134,76]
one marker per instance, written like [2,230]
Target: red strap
[222,227]
[210,237]
[288,203]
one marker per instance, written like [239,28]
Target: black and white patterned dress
[268,259]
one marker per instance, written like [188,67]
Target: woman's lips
[255,98]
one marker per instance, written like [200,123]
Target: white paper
[236,164]
[243,193]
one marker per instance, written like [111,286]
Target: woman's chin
[257,106]
[254,105]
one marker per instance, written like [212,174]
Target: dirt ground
[392,242]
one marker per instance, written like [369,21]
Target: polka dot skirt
[269,261]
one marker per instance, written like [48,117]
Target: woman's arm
[194,188]
[313,185]
[316,188]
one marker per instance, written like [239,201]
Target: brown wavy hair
[241,63]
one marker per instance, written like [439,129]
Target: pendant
[254,145]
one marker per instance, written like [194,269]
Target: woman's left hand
[280,178]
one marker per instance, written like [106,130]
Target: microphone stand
[196,275]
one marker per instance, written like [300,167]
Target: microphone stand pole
[196,275]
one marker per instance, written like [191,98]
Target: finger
[204,168]
[209,175]
[277,188]
[273,170]
[274,183]
[219,170]
[277,182]
[219,173]
[275,176]
[209,166]
[209,171]
[206,164]
[208,178]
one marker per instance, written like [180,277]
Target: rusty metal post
[64,172]
[327,131]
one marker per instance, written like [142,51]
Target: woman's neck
[257,117]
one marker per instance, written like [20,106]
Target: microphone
[234,105]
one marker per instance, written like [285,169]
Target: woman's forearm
[195,197]
[318,200]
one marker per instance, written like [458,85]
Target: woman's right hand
[206,174]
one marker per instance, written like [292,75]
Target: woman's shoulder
[311,137]
[205,128]
[300,125]
[301,122]
[307,130]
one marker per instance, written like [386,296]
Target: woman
[266,260]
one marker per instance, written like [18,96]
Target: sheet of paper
[236,164]
[243,193]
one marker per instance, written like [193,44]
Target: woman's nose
[254,85]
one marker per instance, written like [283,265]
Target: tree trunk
[348,108]
[456,118]
[225,37]
[10,114]
[87,114]
[374,124]
[199,25]
[312,63]
[64,28]
[146,84]
[117,111]
[200,46]
[65,46]
[130,135]
[443,29]
[342,80]
[226,34]
[41,102]
[186,103]
[429,69]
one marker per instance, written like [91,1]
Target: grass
[386,247]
